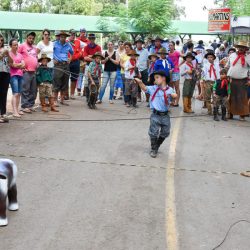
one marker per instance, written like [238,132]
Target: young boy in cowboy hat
[161,95]
[44,78]
[94,78]
[189,74]
[152,58]
[164,63]
[210,74]
[131,70]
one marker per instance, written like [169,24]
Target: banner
[219,20]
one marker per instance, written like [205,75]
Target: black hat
[232,49]
[31,33]
[210,54]
[189,54]
[161,73]
[91,36]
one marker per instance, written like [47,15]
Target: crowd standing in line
[220,72]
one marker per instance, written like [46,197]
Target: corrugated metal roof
[39,21]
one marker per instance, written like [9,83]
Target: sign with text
[219,20]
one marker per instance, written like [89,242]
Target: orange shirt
[76,45]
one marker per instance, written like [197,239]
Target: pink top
[17,58]
[175,56]
[29,56]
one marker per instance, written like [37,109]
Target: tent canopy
[39,21]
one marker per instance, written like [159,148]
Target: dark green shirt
[44,74]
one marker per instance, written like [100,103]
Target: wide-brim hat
[91,36]
[133,53]
[98,54]
[153,54]
[162,73]
[188,55]
[231,49]
[44,56]
[63,33]
[210,54]
[139,39]
[241,44]
[162,51]
[158,38]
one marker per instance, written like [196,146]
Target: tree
[239,7]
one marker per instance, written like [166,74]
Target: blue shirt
[159,102]
[61,51]
[165,65]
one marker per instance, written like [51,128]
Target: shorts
[16,83]
[74,68]
[45,90]
[175,76]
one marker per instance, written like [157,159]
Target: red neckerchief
[132,62]
[97,68]
[190,65]
[139,49]
[157,49]
[210,71]
[240,56]
[152,67]
[164,92]
[224,82]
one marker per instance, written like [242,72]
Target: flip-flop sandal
[17,116]
[2,121]
[26,110]
[65,104]
[246,173]
[20,113]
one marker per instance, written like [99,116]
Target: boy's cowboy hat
[98,54]
[162,51]
[241,44]
[44,56]
[210,54]
[162,73]
[133,53]
[189,54]
[63,33]
[153,54]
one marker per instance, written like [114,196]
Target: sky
[194,9]
[194,12]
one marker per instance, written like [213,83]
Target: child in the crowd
[80,78]
[131,70]
[210,74]
[161,95]
[221,95]
[94,79]
[189,73]
[44,78]
[118,85]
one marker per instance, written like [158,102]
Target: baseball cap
[83,30]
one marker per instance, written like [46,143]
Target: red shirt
[90,50]
[76,45]
[84,40]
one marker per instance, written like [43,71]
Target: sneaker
[153,153]
[99,102]
[111,102]
[72,97]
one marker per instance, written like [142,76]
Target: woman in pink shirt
[16,77]
[175,55]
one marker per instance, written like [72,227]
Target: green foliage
[152,16]
[239,7]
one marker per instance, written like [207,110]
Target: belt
[62,63]
[160,113]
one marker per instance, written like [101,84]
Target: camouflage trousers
[45,90]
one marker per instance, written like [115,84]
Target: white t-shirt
[46,49]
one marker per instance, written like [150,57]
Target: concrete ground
[92,185]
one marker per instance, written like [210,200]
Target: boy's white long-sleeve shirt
[210,76]
[127,71]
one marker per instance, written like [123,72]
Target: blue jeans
[16,83]
[108,77]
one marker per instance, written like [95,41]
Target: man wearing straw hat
[238,64]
